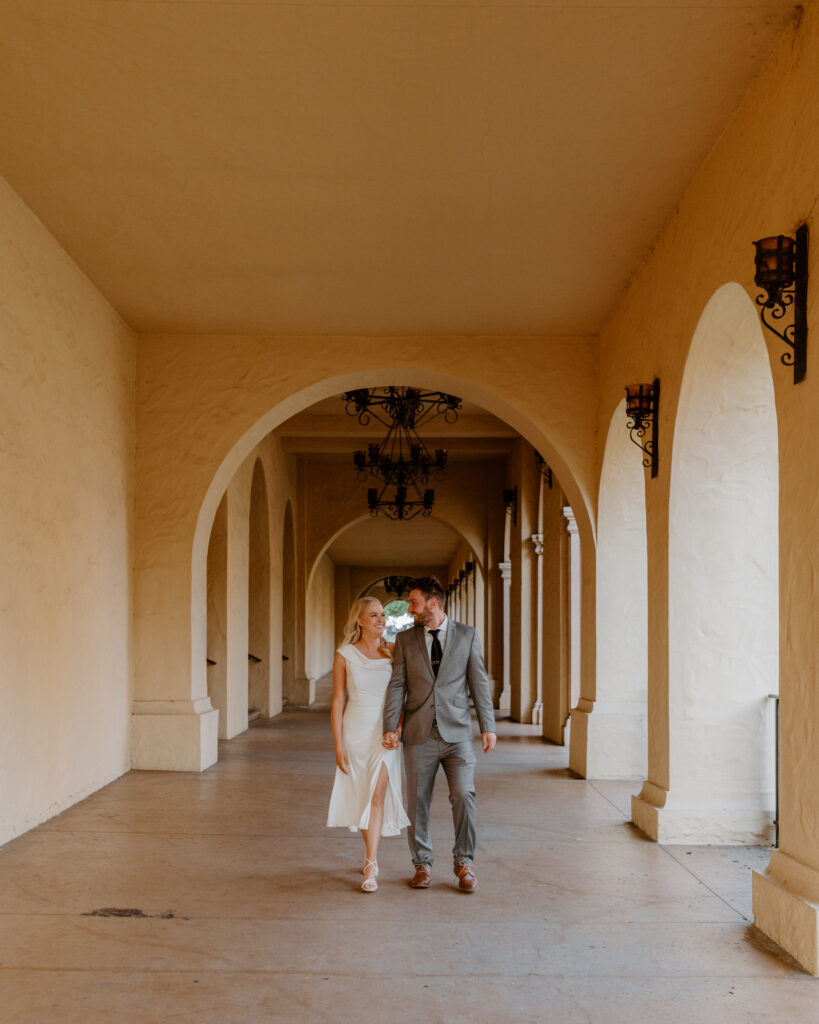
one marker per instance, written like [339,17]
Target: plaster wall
[617,727]
[758,180]
[723,587]
[67,372]
[321,626]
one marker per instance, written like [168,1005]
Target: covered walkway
[249,908]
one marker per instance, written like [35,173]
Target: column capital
[571,522]
[505,571]
[537,542]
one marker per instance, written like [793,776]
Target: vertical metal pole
[775,698]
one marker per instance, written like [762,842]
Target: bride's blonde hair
[352,630]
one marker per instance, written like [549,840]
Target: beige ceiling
[414,166]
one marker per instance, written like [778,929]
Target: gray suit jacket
[413,686]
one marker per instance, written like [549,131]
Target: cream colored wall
[760,179]
[321,625]
[618,729]
[67,369]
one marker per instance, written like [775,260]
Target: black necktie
[436,652]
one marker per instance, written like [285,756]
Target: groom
[436,666]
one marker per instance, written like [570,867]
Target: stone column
[505,699]
[537,603]
[233,720]
[554,565]
[574,604]
[580,707]
[304,687]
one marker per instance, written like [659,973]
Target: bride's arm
[337,710]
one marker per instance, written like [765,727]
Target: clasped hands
[390,740]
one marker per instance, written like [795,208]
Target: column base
[174,735]
[691,826]
[786,908]
[304,691]
[579,737]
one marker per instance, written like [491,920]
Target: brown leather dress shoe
[467,879]
[422,876]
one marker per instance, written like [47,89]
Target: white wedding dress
[362,732]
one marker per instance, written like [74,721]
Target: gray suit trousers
[421,762]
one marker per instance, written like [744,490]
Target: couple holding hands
[416,691]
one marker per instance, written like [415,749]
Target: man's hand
[390,740]
[489,739]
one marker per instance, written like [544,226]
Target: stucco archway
[480,395]
[165,705]
[617,726]
[723,583]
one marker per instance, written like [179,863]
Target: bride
[367,789]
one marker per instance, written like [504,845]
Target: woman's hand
[342,761]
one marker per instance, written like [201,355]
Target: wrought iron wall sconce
[397,585]
[544,469]
[642,412]
[781,265]
[510,500]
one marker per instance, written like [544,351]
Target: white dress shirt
[441,636]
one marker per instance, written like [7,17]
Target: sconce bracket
[643,408]
[544,469]
[774,304]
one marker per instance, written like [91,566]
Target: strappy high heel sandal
[370,884]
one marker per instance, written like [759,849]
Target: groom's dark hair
[429,587]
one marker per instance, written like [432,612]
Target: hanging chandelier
[401,461]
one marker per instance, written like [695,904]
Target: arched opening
[259,581]
[398,618]
[617,741]
[313,579]
[723,583]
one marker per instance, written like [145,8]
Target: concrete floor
[253,913]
